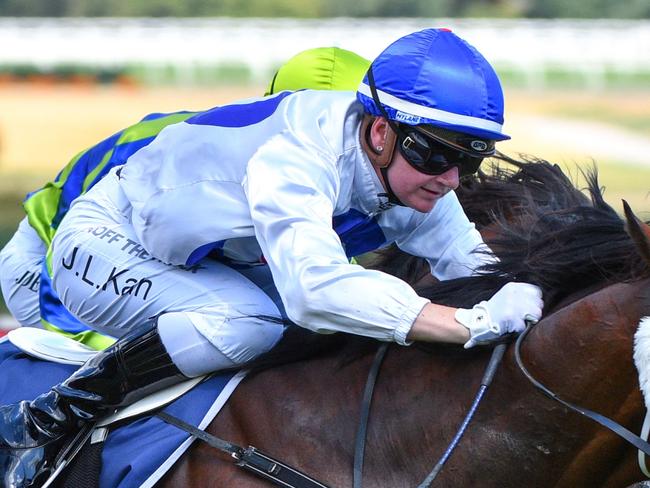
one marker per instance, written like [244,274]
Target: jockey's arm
[504,313]
[436,323]
[291,205]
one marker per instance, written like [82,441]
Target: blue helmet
[434,78]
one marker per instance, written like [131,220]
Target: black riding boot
[32,433]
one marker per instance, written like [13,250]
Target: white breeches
[20,270]
[108,280]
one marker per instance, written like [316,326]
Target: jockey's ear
[377,140]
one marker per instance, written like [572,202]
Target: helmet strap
[392,198]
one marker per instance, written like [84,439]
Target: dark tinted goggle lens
[432,157]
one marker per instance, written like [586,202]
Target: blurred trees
[327,8]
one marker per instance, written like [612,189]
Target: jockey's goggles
[432,155]
[432,150]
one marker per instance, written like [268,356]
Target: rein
[615,427]
[360,442]
[490,370]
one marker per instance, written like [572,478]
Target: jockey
[21,261]
[292,185]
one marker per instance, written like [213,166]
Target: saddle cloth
[137,453]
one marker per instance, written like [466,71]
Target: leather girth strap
[250,458]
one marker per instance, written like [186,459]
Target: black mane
[530,186]
[563,252]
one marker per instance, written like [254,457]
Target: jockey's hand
[506,312]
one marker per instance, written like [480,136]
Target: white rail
[529,46]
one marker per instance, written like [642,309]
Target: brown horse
[597,288]
[306,413]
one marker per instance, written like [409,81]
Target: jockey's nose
[450,178]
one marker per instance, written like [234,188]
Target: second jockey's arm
[436,323]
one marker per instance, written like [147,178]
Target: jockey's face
[417,190]
[413,188]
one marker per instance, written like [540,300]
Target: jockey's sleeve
[292,188]
[448,240]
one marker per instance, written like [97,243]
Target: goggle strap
[380,106]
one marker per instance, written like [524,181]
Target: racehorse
[596,283]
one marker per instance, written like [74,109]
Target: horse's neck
[585,348]
[583,352]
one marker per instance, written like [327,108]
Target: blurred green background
[631,9]
[55,101]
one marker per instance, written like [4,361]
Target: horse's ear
[639,232]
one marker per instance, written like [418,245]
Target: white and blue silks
[281,181]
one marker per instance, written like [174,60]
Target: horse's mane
[529,185]
[546,232]
[562,252]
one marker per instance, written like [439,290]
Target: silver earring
[379,148]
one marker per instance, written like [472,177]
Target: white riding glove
[506,312]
